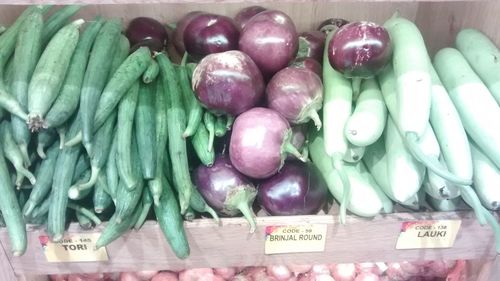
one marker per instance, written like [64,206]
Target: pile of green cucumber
[92,131]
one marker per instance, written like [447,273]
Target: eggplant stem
[289,148]
[229,121]
[248,214]
[313,114]
[431,163]
[212,212]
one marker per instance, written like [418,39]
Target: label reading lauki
[428,234]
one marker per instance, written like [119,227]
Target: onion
[209,33]
[297,94]
[308,63]
[343,271]
[194,274]
[225,189]
[367,276]
[280,272]
[270,39]
[320,269]
[297,269]
[260,141]
[165,276]
[179,31]
[297,189]
[129,276]
[146,275]
[225,272]
[144,31]
[245,14]
[311,45]
[228,83]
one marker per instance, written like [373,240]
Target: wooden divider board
[360,240]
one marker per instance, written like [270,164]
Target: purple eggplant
[245,14]
[298,189]
[311,45]
[209,33]
[297,94]
[308,63]
[260,142]
[331,24]
[228,83]
[144,31]
[360,49]
[225,189]
[270,39]
[179,31]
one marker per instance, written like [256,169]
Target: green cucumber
[101,199]
[145,130]
[42,209]
[85,212]
[98,158]
[67,102]
[13,154]
[82,166]
[63,175]
[96,75]
[151,72]
[171,222]
[2,221]
[49,73]
[176,118]
[114,229]
[190,214]
[127,199]
[154,185]
[112,177]
[200,145]
[57,20]
[27,52]
[145,205]
[198,204]
[44,138]
[43,183]
[11,211]
[209,121]
[84,222]
[220,126]
[124,128]
[192,106]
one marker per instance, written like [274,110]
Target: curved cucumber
[145,129]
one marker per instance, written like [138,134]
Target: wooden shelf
[359,240]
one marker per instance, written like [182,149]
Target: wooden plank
[360,240]
[306,15]
[440,22]
[6,270]
[59,2]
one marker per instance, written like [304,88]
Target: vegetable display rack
[359,240]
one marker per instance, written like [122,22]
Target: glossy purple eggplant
[260,142]
[179,31]
[228,83]
[297,189]
[245,14]
[308,63]
[360,49]
[209,33]
[225,189]
[297,94]
[311,45]
[270,39]
[144,31]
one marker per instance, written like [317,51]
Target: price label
[295,239]
[73,248]
[428,234]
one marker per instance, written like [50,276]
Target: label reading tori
[428,234]
[295,239]
[73,248]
